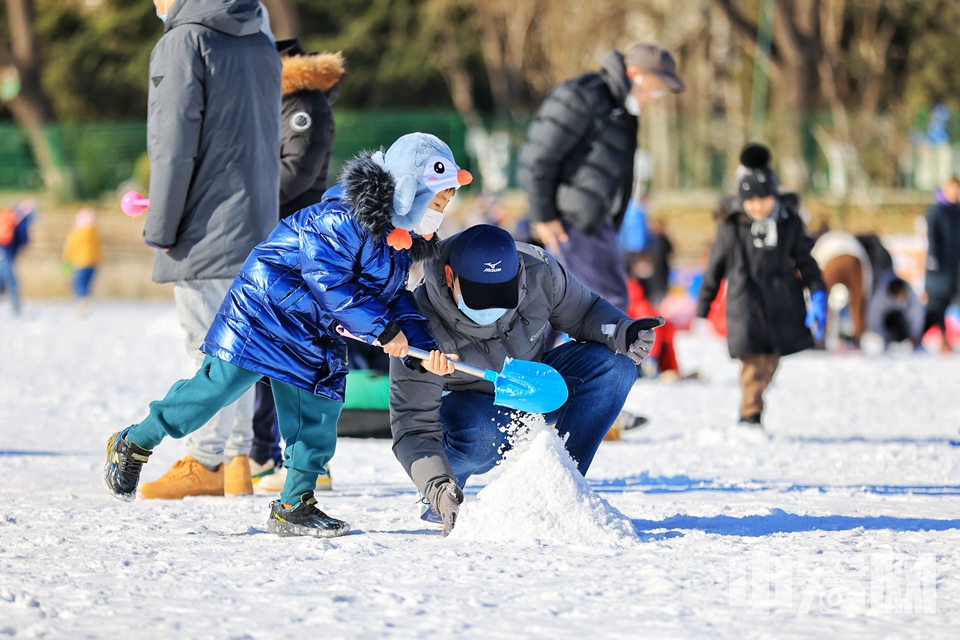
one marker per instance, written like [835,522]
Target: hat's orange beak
[464,177]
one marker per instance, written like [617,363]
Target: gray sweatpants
[230,432]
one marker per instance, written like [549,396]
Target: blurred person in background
[14,236]
[760,248]
[653,271]
[577,164]
[848,275]
[895,313]
[213,138]
[81,255]
[942,282]
[309,86]
[881,262]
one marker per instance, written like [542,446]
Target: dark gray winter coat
[213,136]
[307,128]
[943,253]
[577,163]
[765,276]
[548,295]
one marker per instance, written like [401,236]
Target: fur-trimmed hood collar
[368,191]
[311,72]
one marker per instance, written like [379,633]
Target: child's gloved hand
[817,314]
[439,363]
[397,346]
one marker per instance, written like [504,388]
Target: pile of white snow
[541,497]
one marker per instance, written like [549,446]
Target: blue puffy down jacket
[325,265]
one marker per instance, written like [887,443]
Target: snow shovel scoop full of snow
[533,387]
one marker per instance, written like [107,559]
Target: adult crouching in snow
[763,251]
[488,298]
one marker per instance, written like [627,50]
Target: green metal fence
[98,157]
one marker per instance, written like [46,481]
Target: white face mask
[430,222]
[482,317]
[632,105]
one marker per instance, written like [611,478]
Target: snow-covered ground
[843,522]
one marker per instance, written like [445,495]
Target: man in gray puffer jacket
[213,137]
[488,298]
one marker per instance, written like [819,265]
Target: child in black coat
[763,252]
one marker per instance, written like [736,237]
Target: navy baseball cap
[485,259]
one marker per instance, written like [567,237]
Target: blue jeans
[266,431]
[8,280]
[81,281]
[598,381]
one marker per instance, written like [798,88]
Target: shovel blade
[533,387]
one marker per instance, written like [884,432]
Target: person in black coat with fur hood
[309,85]
[763,251]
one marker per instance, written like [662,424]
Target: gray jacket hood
[614,74]
[233,17]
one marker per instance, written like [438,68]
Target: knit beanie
[755,178]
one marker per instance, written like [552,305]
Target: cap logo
[493,267]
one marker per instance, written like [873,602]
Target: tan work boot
[274,482]
[186,477]
[236,477]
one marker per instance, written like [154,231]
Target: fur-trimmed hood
[368,191]
[311,72]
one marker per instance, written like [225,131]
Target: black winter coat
[307,128]
[943,254]
[765,304]
[577,163]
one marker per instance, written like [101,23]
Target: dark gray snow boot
[121,472]
[304,519]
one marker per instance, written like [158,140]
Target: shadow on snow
[779,521]
[645,483]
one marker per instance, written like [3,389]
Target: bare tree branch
[747,29]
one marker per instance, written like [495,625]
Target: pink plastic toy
[133,204]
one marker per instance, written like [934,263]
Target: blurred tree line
[848,79]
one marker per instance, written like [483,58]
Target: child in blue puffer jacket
[342,262]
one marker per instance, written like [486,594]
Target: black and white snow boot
[304,519]
[121,472]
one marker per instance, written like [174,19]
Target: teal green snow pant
[308,423]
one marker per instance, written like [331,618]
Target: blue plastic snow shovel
[533,387]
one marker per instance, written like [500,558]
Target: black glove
[635,338]
[446,497]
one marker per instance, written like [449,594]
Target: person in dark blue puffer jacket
[342,262]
